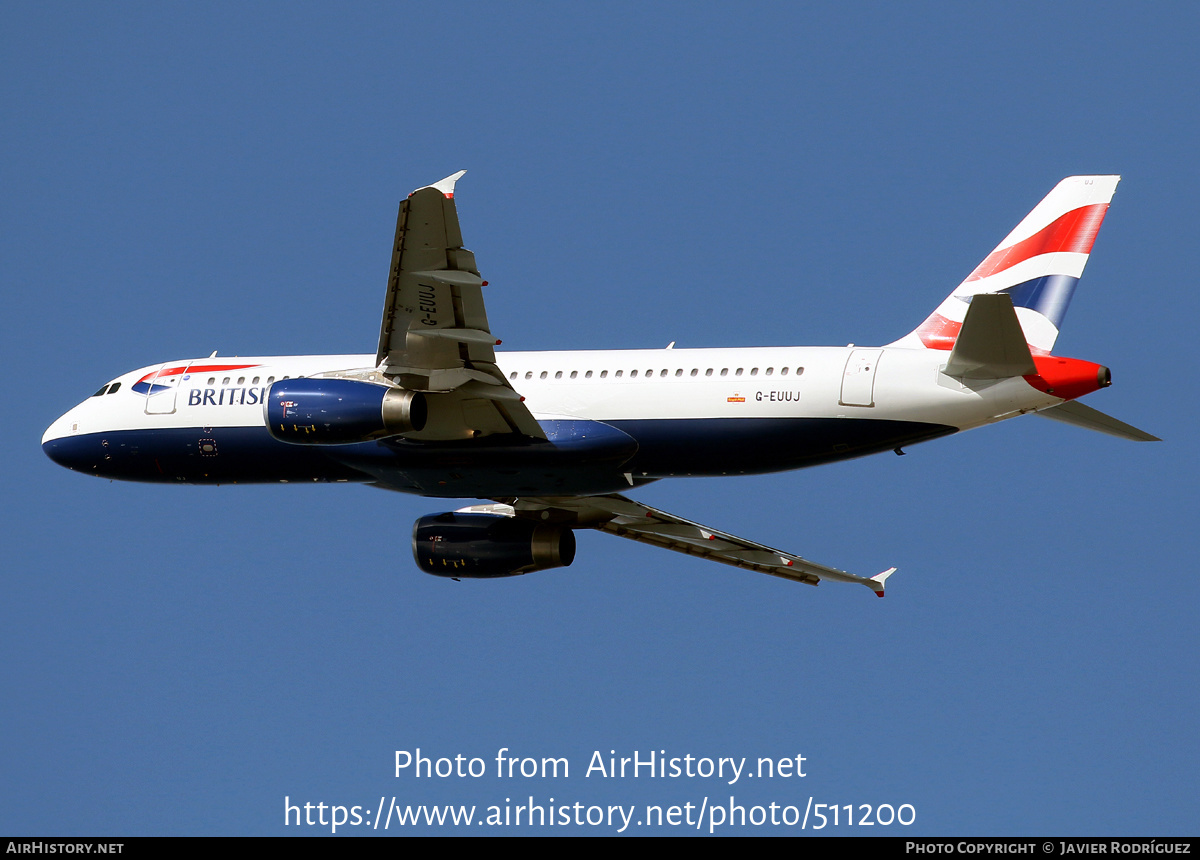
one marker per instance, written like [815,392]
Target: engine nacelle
[488,545]
[324,411]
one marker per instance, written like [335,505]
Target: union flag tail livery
[551,441]
[1038,265]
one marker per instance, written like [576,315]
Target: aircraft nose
[68,450]
[71,452]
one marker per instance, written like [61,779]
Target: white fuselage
[614,418]
[609,385]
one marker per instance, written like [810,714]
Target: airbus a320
[550,442]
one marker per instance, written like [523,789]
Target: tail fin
[1038,265]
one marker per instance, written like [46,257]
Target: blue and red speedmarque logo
[167,378]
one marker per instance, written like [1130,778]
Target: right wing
[435,336]
[626,518]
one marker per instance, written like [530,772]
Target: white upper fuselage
[606,385]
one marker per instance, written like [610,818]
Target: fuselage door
[164,386]
[858,380]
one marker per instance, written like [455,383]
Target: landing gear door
[858,380]
[164,385]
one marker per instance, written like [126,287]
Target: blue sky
[182,178]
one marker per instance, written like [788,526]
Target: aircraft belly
[602,459]
[577,458]
[744,446]
[196,455]
[664,448]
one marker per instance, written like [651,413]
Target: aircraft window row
[212,380]
[111,388]
[633,374]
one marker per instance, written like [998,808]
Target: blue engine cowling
[488,545]
[339,411]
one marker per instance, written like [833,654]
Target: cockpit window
[103,389]
[112,389]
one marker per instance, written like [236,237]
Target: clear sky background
[179,178]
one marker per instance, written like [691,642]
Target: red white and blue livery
[550,442]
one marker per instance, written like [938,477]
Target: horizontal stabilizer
[991,344]
[1074,412]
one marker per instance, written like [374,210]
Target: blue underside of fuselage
[571,463]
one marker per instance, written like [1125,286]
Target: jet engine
[489,545]
[323,411]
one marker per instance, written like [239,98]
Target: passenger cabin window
[587,375]
[254,381]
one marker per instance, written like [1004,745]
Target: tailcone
[1068,378]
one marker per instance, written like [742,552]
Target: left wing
[626,518]
[435,336]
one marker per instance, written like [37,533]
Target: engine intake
[340,411]
[488,545]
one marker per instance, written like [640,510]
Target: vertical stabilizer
[1037,265]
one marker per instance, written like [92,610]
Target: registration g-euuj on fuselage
[551,441]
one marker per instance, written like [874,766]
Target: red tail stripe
[1074,232]
[937,332]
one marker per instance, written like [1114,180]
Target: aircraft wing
[435,336]
[626,518]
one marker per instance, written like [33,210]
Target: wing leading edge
[618,515]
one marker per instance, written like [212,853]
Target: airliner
[551,442]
